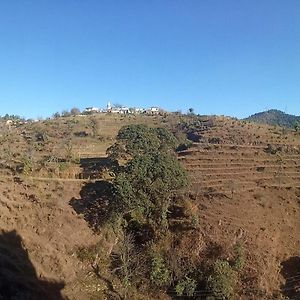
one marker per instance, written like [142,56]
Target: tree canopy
[145,185]
[151,173]
[134,140]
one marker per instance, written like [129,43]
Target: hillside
[249,190]
[244,189]
[274,117]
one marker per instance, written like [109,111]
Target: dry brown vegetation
[245,189]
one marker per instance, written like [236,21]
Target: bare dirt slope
[49,228]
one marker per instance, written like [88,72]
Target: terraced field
[229,168]
[245,184]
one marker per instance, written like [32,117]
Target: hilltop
[244,190]
[274,117]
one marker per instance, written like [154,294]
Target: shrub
[214,140]
[281,297]
[270,149]
[27,165]
[56,115]
[184,146]
[222,280]
[65,113]
[63,166]
[129,261]
[297,126]
[186,286]
[239,261]
[160,275]
[195,221]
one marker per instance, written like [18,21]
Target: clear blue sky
[232,57]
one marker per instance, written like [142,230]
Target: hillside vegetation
[274,117]
[103,207]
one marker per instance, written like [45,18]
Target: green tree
[145,185]
[56,115]
[134,140]
[75,111]
[65,113]
[150,175]
[191,111]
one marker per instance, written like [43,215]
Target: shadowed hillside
[18,278]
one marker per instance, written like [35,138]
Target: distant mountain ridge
[274,117]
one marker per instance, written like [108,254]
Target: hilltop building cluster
[9,121]
[119,109]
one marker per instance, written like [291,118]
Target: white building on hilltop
[154,110]
[91,110]
[120,110]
